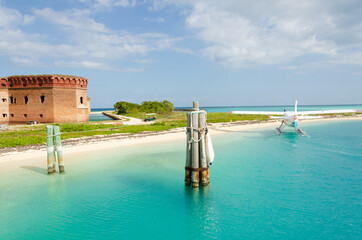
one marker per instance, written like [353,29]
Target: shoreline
[35,153]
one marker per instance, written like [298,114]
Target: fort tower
[44,98]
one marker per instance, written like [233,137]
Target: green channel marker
[50,149]
[58,148]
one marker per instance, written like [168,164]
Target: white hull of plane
[291,119]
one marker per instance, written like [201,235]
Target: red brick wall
[61,99]
[34,109]
[4,106]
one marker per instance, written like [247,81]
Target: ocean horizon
[254,106]
[100,117]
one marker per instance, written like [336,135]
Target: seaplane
[292,119]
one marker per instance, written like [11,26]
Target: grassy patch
[23,135]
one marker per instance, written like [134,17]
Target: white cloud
[28,19]
[11,17]
[250,33]
[183,50]
[101,4]
[84,41]
[83,64]
[24,61]
[155,19]
[74,19]
[144,61]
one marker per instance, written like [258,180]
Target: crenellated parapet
[44,98]
[39,81]
[3,83]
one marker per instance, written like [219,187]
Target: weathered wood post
[203,163]
[195,147]
[196,151]
[50,149]
[58,148]
[188,151]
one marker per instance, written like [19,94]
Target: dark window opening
[5,115]
[26,99]
[11,115]
[4,99]
[24,85]
[10,85]
[14,100]
[3,85]
[25,115]
[42,98]
[41,115]
[11,100]
[40,84]
[81,100]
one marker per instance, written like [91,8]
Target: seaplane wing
[328,111]
[291,118]
[309,117]
[257,112]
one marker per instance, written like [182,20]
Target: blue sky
[221,53]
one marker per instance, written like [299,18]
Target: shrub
[153,107]
[169,105]
[126,107]
[146,107]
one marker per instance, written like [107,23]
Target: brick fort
[44,98]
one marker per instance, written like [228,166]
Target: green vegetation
[22,135]
[29,135]
[126,107]
[146,107]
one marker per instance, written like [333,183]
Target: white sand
[18,158]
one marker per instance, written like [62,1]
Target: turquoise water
[94,117]
[263,186]
[96,114]
[101,109]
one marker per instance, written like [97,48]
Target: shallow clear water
[263,186]
[96,114]
[94,117]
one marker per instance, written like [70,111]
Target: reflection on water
[263,186]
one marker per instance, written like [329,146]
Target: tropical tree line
[123,107]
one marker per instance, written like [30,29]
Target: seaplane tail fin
[295,107]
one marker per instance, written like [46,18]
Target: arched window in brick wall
[81,100]
[42,99]
[26,99]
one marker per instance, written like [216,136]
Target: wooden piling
[203,163]
[58,148]
[197,153]
[195,106]
[188,151]
[50,150]
[195,149]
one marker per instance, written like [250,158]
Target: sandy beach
[37,154]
